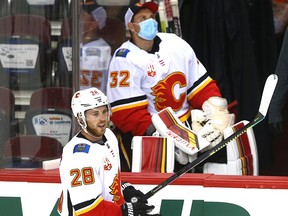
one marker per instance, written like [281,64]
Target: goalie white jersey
[141,84]
[90,174]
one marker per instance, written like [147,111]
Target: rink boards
[36,192]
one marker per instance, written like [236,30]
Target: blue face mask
[148,29]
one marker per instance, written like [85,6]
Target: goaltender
[153,71]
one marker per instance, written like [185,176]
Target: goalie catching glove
[212,120]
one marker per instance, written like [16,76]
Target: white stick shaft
[267,94]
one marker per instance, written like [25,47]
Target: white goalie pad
[231,168]
[169,126]
[242,155]
[152,154]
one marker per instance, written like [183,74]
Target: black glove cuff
[124,185]
[127,209]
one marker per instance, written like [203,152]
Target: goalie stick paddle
[267,94]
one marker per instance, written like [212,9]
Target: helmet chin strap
[83,125]
[88,132]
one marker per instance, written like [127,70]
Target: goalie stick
[267,94]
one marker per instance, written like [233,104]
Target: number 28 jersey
[90,177]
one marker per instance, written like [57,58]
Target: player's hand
[211,133]
[199,119]
[130,193]
[212,121]
[206,127]
[137,209]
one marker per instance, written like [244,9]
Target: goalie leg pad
[181,156]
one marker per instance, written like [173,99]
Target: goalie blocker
[169,126]
[208,124]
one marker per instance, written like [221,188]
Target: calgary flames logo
[77,95]
[116,190]
[166,94]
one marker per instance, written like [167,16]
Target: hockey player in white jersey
[90,166]
[95,52]
[152,71]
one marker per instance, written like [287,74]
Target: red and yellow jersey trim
[90,207]
[199,87]
[129,106]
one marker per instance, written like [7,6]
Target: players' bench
[242,156]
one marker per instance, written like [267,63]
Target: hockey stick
[172,19]
[169,14]
[267,94]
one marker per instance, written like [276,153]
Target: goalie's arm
[135,120]
[212,120]
[202,90]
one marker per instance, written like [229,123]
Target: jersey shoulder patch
[122,52]
[84,148]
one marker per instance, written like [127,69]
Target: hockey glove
[214,119]
[199,119]
[137,209]
[130,193]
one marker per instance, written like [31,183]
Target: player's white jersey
[90,172]
[166,77]
[94,62]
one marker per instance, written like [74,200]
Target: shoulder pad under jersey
[81,148]
[122,52]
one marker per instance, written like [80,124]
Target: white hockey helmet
[88,99]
